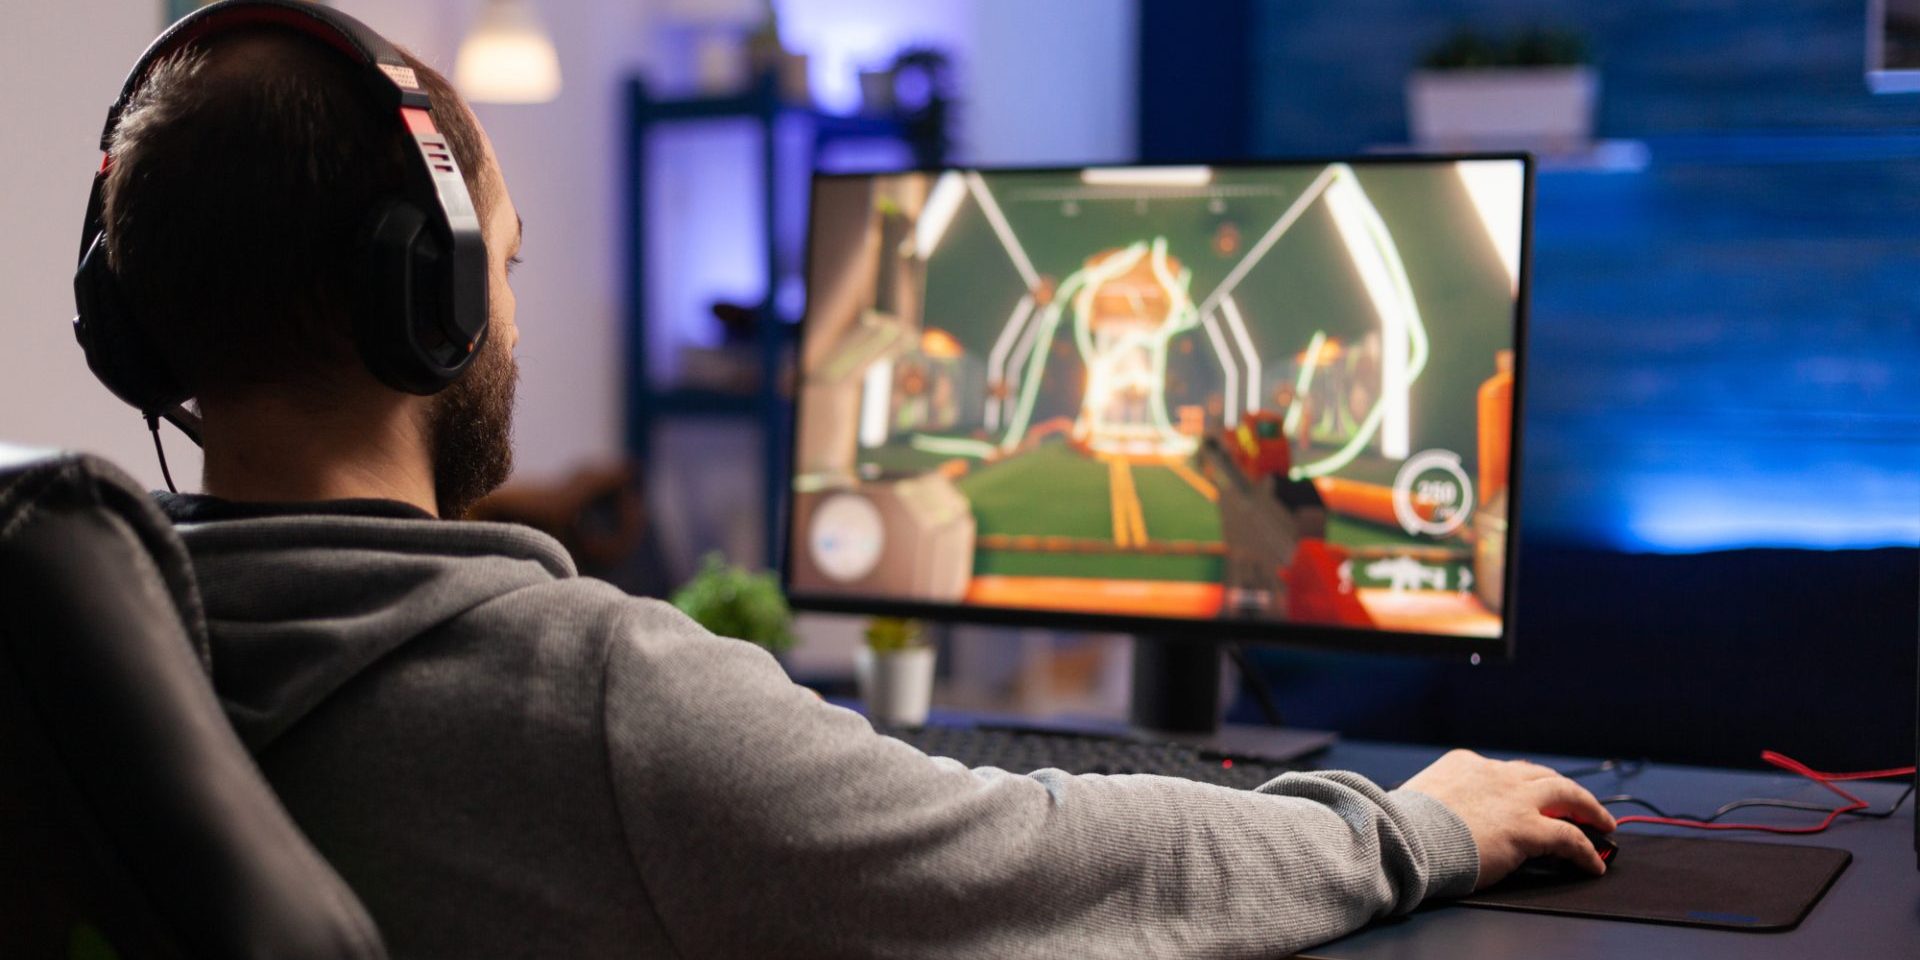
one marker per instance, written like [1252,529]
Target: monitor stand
[1176,695]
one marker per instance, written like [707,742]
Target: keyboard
[1021,750]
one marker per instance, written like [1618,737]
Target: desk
[1872,911]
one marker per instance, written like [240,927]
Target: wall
[65,63]
[1725,344]
[1332,74]
[841,37]
[561,165]
[1050,83]
[1195,85]
[1039,83]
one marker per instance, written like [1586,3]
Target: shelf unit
[767,406]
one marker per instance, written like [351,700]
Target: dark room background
[1721,471]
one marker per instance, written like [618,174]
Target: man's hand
[1513,807]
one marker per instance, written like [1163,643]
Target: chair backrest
[133,823]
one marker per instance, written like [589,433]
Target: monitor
[1273,402]
[1893,46]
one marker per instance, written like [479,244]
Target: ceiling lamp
[508,57]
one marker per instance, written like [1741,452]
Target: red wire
[1785,762]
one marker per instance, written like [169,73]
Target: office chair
[133,823]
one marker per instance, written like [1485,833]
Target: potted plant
[733,601]
[1534,91]
[894,670]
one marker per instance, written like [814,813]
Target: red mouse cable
[1781,760]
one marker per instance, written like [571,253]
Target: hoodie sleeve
[766,822]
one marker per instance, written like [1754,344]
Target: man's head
[245,172]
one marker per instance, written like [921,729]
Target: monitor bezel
[1881,78]
[1278,633]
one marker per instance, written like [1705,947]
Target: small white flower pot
[896,686]
[1548,109]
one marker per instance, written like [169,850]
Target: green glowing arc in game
[1417,342]
[1030,380]
[1079,288]
[954,446]
[1184,318]
[1305,380]
[1080,282]
[1096,275]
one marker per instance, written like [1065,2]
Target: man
[504,759]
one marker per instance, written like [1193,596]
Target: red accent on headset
[106,160]
[419,121]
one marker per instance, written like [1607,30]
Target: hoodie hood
[298,605]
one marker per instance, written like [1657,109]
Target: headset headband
[419,360]
[337,30]
[401,88]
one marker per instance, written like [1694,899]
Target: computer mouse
[1560,868]
[1602,842]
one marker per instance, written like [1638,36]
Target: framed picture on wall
[1893,46]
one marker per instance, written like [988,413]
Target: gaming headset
[424,257]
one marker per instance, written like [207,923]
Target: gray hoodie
[507,760]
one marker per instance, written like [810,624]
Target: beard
[472,430]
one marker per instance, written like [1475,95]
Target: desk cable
[1854,805]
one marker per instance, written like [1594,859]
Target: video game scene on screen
[1280,393]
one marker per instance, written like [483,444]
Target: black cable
[1628,768]
[1255,684]
[1888,812]
[153,426]
[1760,802]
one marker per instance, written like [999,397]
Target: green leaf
[889,634]
[1537,47]
[734,602]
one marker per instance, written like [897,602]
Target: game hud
[1280,393]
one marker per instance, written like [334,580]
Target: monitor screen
[1893,46]
[1269,402]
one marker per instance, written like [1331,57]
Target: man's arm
[766,822]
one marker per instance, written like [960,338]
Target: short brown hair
[244,171]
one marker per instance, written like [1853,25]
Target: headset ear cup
[118,351]
[400,331]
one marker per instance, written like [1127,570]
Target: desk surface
[1873,910]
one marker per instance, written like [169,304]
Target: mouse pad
[1697,883]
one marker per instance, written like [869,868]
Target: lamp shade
[508,57]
